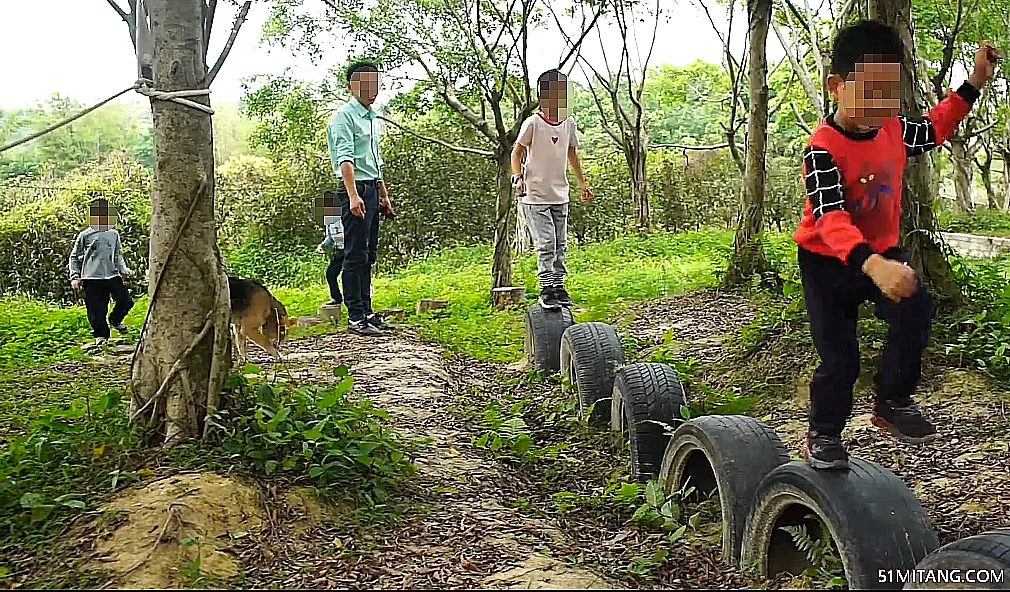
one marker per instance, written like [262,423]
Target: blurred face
[102,217]
[327,208]
[554,95]
[365,87]
[871,94]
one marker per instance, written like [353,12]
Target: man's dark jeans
[361,239]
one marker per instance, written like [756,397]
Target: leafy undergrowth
[573,471]
[79,450]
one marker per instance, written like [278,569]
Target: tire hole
[698,474]
[783,554]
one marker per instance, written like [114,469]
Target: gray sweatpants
[549,226]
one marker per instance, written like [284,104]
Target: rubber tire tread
[597,353]
[742,451]
[544,329]
[650,392]
[878,521]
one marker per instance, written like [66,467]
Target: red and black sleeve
[922,134]
[824,190]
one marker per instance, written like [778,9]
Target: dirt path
[463,537]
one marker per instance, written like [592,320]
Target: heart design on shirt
[554,139]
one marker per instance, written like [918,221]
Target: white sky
[84,51]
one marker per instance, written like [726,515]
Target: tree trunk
[636,154]
[985,171]
[962,172]
[184,354]
[918,227]
[748,256]
[523,239]
[501,267]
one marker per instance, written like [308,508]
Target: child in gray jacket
[97,265]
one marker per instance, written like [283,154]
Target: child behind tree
[97,265]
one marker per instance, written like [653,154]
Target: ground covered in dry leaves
[547,513]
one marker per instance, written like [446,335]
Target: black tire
[725,454]
[875,521]
[544,329]
[591,353]
[644,394]
[976,558]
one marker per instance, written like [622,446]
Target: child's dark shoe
[905,423]
[563,298]
[825,451]
[122,328]
[549,299]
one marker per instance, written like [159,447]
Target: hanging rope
[143,87]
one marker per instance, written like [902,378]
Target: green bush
[321,435]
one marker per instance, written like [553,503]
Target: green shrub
[322,435]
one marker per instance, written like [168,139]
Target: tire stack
[877,525]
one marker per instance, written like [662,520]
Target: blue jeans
[361,240]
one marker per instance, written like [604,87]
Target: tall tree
[183,356]
[748,255]
[623,115]
[474,55]
[918,225]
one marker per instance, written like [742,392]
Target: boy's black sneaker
[122,328]
[905,423]
[562,295]
[376,321]
[549,299]
[363,327]
[333,303]
[825,451]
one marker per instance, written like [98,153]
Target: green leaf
[678,534]
[270,466]
[523,444]
[40,513]
[312,434]
[694,521]
[329,399]
[629,492]
[76,504]
[32,500]
[836,582]
[340,371]
[265,395]
[654,493]
[316,471]
[250,369]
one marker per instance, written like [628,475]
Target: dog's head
[278,321]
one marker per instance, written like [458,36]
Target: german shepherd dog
[256,314]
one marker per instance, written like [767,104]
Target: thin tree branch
[239,20]
[122,13]
[799,119]
[694,148]
[442,143]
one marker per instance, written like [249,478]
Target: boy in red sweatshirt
[848,236]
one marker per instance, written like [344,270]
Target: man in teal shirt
[353,139]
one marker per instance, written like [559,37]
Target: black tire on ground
[727,455]
[591,353]
[544,329]
[875,521]
[645,394]
[980,558]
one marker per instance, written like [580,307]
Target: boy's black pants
[833,292]
[332,272]
[96,300]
